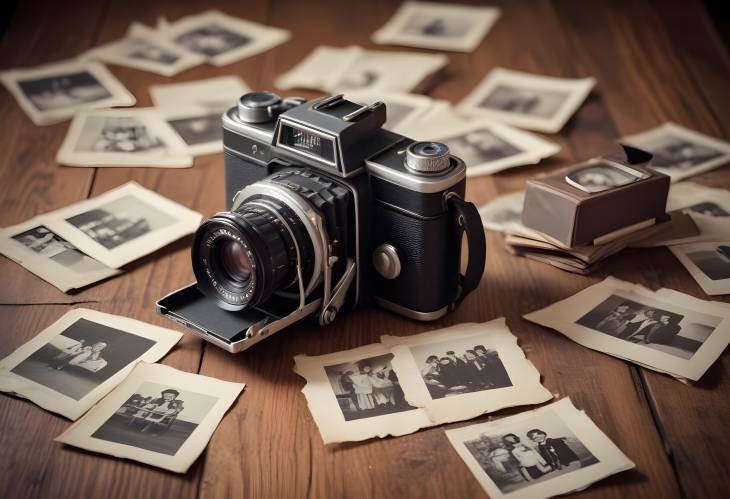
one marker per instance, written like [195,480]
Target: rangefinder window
[308,142]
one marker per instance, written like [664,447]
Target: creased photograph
[222,39]
[464,371]
[55,92]
[697,198]
[69,366]
[664,330]
[122,137]
[524,100]
[356,395]
[440,26]
[143,48]
[122,224]
[680,152]
[50,257]
[215,95]
[708,263]
[547,452]
[158,416]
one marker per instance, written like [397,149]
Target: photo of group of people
[367,388]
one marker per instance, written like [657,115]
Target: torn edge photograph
[464,371]
[55,92]
[680,152]
[696,198]
[524,100]
[123,224]
[440,26]
[542,453]
[77,360]
[158,416]
[123,137]
[708,263]
[664,330]
[215,95]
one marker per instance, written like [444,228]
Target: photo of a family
[367,388]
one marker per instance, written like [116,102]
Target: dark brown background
[654,61]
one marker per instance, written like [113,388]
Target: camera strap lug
[331,307]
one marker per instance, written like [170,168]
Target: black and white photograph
[549,451]
[198,127]
[488,147]
[122,224]
[134,137]
[158,416]
[503,212]
[664,330]
[402,109]
[222,39]
[598,176]
[525,100]
[708,263]
[198,97]
[145,49]
[463,371]
[367,387]
[314,71]
[55,92]
[440,26]
[74,362]
[680,152]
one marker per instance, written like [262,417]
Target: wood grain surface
[654,61]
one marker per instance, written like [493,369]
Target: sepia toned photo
[222,39]
[143,48]
[440,26]
[80,358]
[680,152]
[503,212]
[209,96]
[538,454]
[696,198]
[50,257]
[123,224]
[135,137]
[55,92]
[664,330]
[463,371]
[158,416]
[601,175]
[525,100]
[708,263]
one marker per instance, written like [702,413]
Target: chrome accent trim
[351,116]
[297,126]
[420,183]
[331,307]
[411,314]
[326,102]
[356,203]
[236,125]
[393,259]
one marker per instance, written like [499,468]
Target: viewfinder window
[308,143]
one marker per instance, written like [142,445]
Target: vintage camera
[327,211]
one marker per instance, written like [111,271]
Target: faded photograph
[480,146]
[674,152]
[628,319]
[424,24]
[120,221]
[43,241]
[367,388]
[600,177]
[82,357]
[62,91]
[537,450]
[714,263]
[157,418]
[138,48]
[212,40]
[540,103]
[127,134]
[196,130]
[708,208]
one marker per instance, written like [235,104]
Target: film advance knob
[386,261]
[253,107]
[428,157]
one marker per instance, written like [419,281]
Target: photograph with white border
[198,127]
[489,147]
[222,39]
[697,198]
[215,95]
[123,224]
[439,26]
[503,213]
[538,454]
[705,228]
[158,416]
[314,71]
[708,263]
[355,395]
[664,330]
[680,152]
[525,100]
[402,109]
[69,366]
[122,137]
[50,257]
[464,371]
[53,93]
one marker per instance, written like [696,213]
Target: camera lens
[241,257]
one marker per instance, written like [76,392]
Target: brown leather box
[592,200]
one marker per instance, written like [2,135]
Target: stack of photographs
[406,383]
[663,330]
[90,240]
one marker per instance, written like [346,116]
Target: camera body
[344,212]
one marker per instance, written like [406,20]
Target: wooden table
[654,61]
